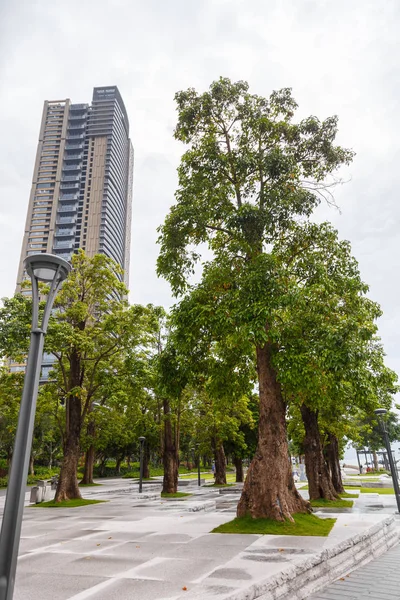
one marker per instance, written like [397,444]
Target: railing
[66,185]
[79,106]
[69,197]
[70,178]
[67,208]
[64,244]
[72,167]
[74,146]
[76,125]
[65,232]
[65,220]
[79,136]
[73,156]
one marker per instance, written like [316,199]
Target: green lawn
[89,484]
[218,485]
[176,495]
[194,476]
[304,524]
[348,495]
[67,503]
[323,503]
[372,490]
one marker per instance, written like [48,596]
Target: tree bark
[89,466]
[269,490]
[146,460]
[68,487]
[375,457]
[170,459]
[238,462]
[319,481]
[332,452]
[220,464]
[31,465]
[118,464]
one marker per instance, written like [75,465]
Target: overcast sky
[340,57]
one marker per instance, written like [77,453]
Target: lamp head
[380,412]
[44,267]
[142,439]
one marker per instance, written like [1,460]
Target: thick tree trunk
[269,490]
[68,488]
[118,465]
[89,466]
[332,452]
[146,460]
[170,462]
[238,462]
[220,464]
[375,457]
[319,481]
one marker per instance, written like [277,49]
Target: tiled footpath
[378,580]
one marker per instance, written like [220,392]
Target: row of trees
[279,305]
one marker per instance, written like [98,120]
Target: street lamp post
[380,413]
[50,269]
[198,464]
[141,440]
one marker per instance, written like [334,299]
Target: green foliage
[305,525]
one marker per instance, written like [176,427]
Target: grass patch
[323,503]
[348,495]
[175,495]
[68,503]
[304,524]
[89,484]
[218,485]
[372,490]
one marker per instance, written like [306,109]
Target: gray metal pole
[198,469]
[14,506]
[141,468]
[392,467]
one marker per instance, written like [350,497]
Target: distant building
[81,192]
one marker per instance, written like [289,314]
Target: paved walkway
[378,580]
[137,546]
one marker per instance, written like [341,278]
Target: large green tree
[250,172]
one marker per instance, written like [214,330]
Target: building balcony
[74,146]
[76,167]
[65,233]
[78,107]
[78,136]
[64,255]
[77,116]
[66,178]
[63,244]
[65,220]
[67,197]
[67,208]
[69,186]
[75,125]
[73,157]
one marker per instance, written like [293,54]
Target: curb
[311,574]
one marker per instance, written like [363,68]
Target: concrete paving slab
[52,586]
[129,589]
[147,550]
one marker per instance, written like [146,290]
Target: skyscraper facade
[81,193]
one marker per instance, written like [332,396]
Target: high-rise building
[81,192]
